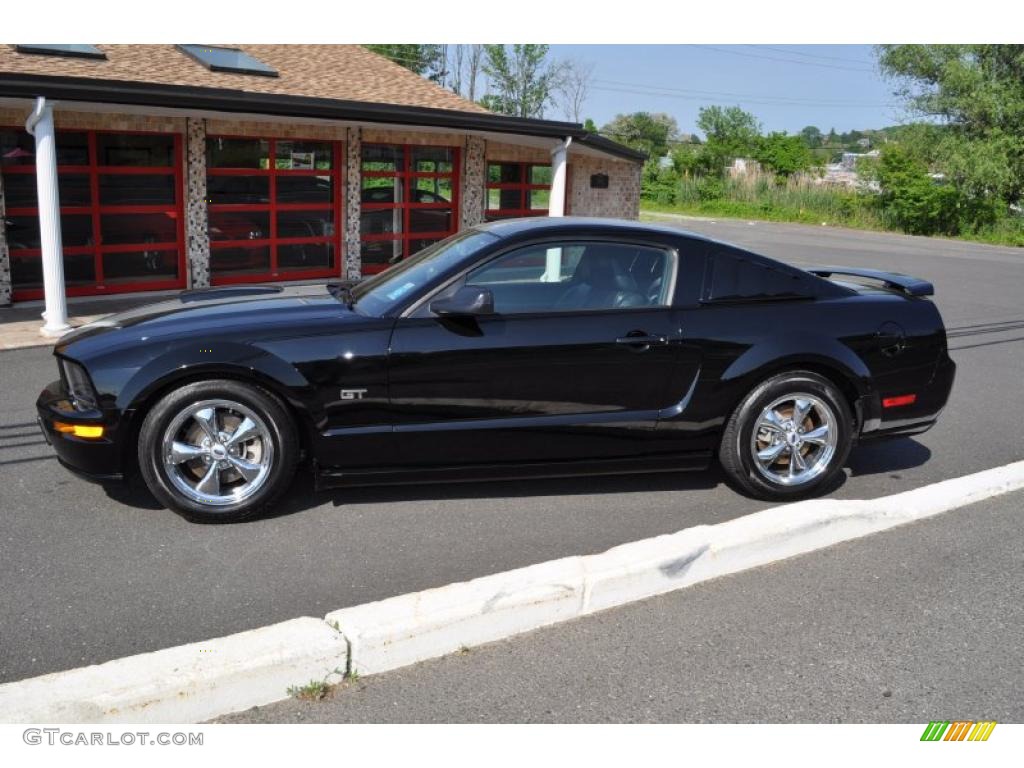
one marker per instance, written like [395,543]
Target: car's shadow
[302,496]
[884,457]
[887,457]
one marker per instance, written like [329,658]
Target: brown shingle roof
[344,72]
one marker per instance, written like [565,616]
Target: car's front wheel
[788,438]
[218,451]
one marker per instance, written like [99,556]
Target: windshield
[384,291]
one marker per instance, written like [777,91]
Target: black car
[527,347]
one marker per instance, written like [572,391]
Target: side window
[566,277]
[533,264]
[736,276]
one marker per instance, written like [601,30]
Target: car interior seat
[601,281]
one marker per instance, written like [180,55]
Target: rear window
[738,276]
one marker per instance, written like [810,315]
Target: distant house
[849,160]
[844,173]
[742,166]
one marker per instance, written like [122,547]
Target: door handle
[641,340]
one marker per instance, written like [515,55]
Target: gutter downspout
[40,125]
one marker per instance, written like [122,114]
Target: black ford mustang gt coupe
[528,347]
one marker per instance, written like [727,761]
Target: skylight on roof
[79,51]
[227,60]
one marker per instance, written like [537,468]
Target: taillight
[898,400]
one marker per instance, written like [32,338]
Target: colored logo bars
[958,730]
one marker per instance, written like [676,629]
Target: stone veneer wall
[472,184]
[378,136]
[353,199]
[514,153]
[5,260]
[63,119]
[274,129]
[197,238]
[622,198]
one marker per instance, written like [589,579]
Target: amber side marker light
[893,402]
[79,430]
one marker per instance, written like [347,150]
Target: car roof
[542,225]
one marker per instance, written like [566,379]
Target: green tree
[783,155]
[426,60]
[649,132]
[812,136]
[910,197]
[977,93]
[589,125]
[522,79]
[729,132]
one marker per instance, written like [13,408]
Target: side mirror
[468,301]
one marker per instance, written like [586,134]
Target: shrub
[659,185]
[710,188]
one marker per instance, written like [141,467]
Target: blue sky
[786,86]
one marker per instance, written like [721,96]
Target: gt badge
[353,394]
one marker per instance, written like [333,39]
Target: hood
[203,312]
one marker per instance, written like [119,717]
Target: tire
[761,436]
[218,451]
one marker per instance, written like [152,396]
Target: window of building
[517,189]
[221,59]
[409,201]
[273,207]
[72,51]
[121,211]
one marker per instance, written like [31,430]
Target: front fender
[233,360]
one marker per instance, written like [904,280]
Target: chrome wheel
[794,439]
[217,452]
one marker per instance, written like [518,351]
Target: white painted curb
[423,625]
[200,681]
[184,684]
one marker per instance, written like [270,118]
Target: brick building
[161,167]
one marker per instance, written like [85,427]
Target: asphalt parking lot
[90,576]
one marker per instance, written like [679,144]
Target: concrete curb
[409,628]
[184,684]
[203,680]
[402,630]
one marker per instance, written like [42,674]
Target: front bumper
[96,459]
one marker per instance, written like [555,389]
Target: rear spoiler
[911,286]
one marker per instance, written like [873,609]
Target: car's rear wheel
[789,438]
[218,451]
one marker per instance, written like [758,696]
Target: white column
[40,125]
[556,207]
[559,158]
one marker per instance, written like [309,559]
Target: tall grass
[802,198]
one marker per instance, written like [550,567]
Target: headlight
[83,395]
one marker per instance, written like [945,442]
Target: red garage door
[274,207]
[122,221]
